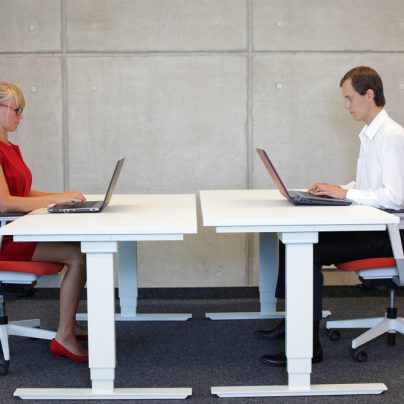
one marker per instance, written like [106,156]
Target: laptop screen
[113,182]
[271,169]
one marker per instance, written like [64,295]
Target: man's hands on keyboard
[325,189]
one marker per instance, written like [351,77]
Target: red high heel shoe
[59,350]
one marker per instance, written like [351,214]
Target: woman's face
[10,117]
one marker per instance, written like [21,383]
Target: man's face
[358,105]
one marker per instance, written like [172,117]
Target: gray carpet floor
[201,353]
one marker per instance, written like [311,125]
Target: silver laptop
[297,197]
[90,206]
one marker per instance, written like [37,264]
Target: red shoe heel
[59,350]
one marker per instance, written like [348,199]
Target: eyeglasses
[18,111]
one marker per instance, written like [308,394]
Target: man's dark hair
[364,78]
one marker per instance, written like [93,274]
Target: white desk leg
[268,275]
[127,279]
[101,313]
[101,338]
[128,289]
[299,306]
[299,331]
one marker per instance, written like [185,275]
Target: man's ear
[370,94]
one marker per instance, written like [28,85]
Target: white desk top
[249,208]
[127,215]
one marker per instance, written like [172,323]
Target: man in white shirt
[379,183]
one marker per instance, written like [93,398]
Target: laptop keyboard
[306,198]
[84,204]
[303,194]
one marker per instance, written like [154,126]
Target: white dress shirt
[380,170]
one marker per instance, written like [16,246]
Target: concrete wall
[186,89]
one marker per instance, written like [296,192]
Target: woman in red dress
[16,195]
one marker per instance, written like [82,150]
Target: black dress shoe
[278,332]
[279,359]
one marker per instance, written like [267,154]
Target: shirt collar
[370,130]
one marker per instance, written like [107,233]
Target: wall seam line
[65,124]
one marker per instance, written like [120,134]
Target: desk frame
[101,321]
[128,219]
[267,213]
[268,275]
[299,306]
[128,290]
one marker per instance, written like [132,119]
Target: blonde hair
[10,90]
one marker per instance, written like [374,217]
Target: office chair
[385,272]
[18,278]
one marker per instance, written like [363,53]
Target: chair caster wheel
[334,335]
[3,368]
[359,355]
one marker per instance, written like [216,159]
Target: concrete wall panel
[328,25]
[299,115]
[180,121]
[30,25]
[160,25]
[203,260]
[40,135]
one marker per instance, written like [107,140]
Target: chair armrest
[6,217]
[395,240]
[397,247]
[9,217]
[393,211]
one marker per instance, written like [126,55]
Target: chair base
[377,326]
[22,328]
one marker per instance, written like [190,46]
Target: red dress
[19,181]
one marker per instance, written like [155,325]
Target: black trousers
[335,248]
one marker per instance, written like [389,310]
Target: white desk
[265,211]
[129,218]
